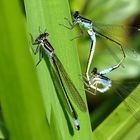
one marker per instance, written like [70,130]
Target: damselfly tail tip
[76,123]
[78,127]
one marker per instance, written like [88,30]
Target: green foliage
[20,97]
[123,123]
[31,99]
[104,11]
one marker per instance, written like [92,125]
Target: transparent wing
[73,93]
[120,34]
[117,31]
[124,90]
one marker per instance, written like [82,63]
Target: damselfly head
[94,71]
[41,38]
[76,15]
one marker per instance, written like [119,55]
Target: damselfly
[92,31]
[45,46]
[100,83]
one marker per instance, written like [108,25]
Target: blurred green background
[20,111]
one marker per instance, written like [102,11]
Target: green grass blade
[48,15]
[20,97]
[121,124]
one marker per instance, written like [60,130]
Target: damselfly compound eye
[76,15]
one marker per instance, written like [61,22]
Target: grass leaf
[48,15]
[121,124]
[20,97]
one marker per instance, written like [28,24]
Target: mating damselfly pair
[93,80]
